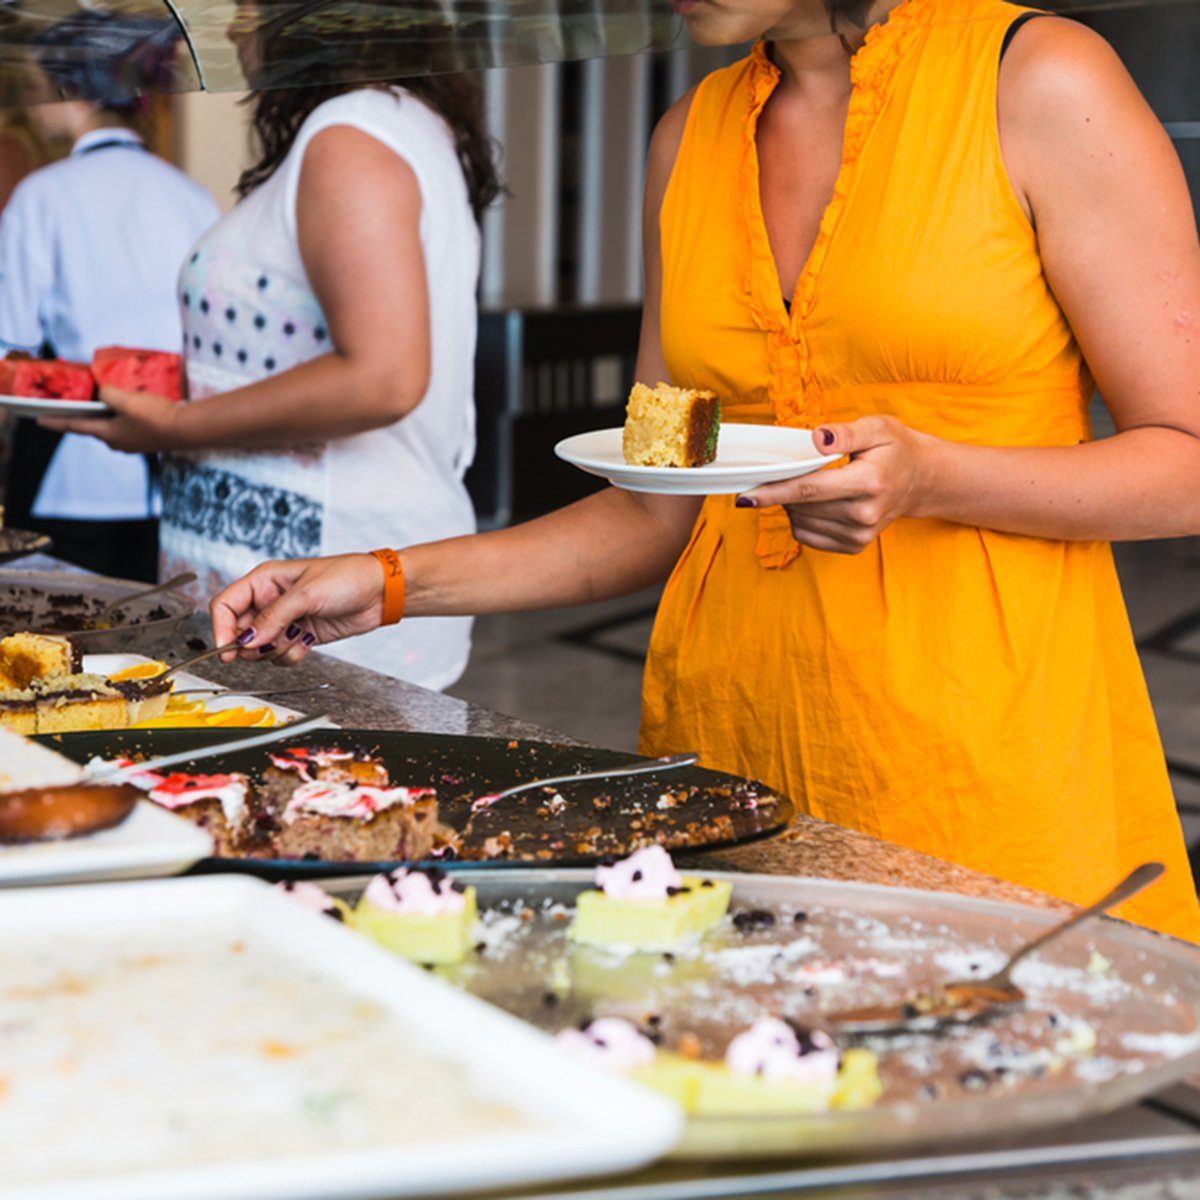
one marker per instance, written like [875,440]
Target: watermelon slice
[52,380]
[139,371]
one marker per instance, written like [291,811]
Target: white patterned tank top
[249,312]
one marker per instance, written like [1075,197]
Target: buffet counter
[1141,1153]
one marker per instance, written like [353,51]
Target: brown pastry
[71,810]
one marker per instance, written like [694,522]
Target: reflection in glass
[134,47]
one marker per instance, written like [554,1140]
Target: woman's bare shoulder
[1058,74]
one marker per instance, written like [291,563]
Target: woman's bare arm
[362,253]
[606,545]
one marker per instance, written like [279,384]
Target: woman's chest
[899,279]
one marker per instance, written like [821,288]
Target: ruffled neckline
[795,390]
[878,53]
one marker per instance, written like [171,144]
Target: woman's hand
[284,609]
[844,509]
[144,424]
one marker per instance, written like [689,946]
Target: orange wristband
[393,585]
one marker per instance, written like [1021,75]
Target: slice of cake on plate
[420,914]
[44,796]
[670,427]
[331,764]
[773,1068]
[145,699]
[642,902]
[25,657]
[217,803]
[344,821]
[18,710]
[69,703]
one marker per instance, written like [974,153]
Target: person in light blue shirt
[90,253]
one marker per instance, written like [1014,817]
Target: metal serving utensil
[223,691]
[965,1000]
[640,767]
[112,608]
[191,662]
[111,773]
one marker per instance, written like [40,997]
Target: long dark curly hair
[301,60]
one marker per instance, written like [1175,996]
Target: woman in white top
[330,337]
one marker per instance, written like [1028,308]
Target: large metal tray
[704,809]
[61,603]
[859,943]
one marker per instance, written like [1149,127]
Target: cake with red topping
[217,803]
[350,821]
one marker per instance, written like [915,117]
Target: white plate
[582,1120]
[747,455]
[28,406]
[109,664]
[150,841]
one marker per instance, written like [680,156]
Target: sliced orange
[241,717]
[145,670]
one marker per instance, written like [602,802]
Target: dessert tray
[311,1063]
[1113,1012]
[747,456]
[578,823]
[17,543]
[53,602]
[203,710]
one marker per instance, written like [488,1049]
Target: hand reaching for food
[283,609]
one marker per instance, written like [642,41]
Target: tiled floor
[540,667]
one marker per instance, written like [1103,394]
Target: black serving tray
[702,810]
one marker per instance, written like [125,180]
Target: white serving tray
[110,664]
[150,841]
[589,1122]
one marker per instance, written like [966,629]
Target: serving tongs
[964,1001]
[107,772]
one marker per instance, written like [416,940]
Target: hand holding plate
[843,510]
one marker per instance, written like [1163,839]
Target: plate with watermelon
[41,387]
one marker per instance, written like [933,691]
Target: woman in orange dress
[908,235]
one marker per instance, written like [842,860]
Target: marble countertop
[364,699]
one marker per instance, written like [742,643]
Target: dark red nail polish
[246,636]
[826,437]
[309,639]
[267,648]
[744,502]
[293,632]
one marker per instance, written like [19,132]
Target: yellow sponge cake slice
[670,427]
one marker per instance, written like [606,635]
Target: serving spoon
[641,766]
[963,1001]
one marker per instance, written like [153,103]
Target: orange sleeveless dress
[971,694]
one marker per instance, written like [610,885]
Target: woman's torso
[250,313]
[972,694]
